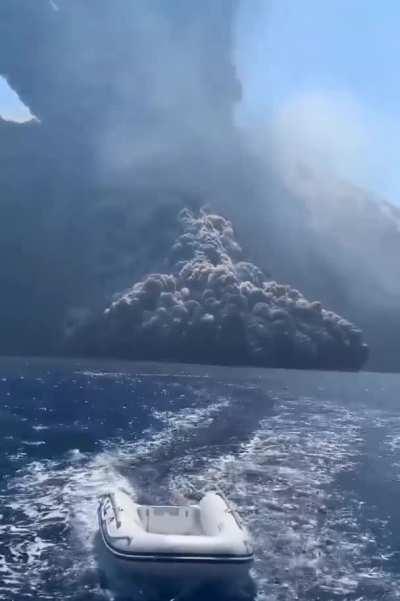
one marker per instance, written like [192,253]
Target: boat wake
[289,470]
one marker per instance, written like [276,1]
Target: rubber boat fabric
[210,532]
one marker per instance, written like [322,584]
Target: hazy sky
[322,78]
[10,106]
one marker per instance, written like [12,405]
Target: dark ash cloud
[134,102]
[214,307]
[135,105]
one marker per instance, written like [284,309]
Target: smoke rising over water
[215,307]
[135,105]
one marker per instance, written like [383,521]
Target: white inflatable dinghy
[207,540]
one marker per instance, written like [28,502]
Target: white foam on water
[102,374]
[190,417]
[53,515]
[391,442]
[174,424]
[144,374]
[283,479]
[49,516]
[308,535]
[40,427]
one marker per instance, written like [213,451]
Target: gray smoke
[212,306]
[124,90]
[135,105]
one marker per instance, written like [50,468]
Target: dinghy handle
[117,521]
[111,496]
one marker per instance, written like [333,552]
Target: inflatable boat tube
[207,540]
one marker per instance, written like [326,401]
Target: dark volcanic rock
[213,307]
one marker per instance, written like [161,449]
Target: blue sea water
[310,459]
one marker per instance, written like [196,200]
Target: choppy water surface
[311,460]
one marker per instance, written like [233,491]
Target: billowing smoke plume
[134,104]
[215,307]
